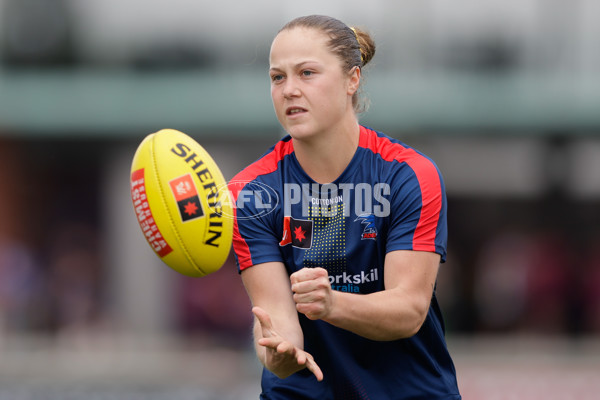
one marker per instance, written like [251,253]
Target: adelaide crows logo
[369,231]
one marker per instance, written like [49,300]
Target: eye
[307,72]
[276,78]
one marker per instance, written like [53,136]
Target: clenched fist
[312,292]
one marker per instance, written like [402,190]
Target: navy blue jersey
[390,197]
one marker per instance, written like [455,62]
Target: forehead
[299,45]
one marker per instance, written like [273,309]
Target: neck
[325,157]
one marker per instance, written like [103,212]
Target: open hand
[282,357]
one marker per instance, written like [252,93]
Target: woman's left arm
[394,313]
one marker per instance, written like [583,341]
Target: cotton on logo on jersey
[297,232]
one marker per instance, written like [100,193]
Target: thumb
[265,321]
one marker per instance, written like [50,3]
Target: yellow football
[182,203]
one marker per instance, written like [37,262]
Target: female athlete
[339,234]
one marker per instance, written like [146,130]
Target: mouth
[295,110]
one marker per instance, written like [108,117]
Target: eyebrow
[297,66]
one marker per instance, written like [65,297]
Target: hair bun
[366,43]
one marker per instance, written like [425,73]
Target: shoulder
[394,151]
[404,164]
[267,164]
[401,158]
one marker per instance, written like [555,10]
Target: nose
[290,88]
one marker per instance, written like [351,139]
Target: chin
[300,132]
[303,131]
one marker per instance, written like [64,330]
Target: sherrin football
[182,203]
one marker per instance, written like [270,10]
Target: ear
[354,80]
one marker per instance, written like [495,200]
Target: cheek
[276,97]
[334,98]
[277,100]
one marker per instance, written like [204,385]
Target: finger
[264,319]
[303,287]
[306,274]
[316,295]
[313,367]
[301,358]
[286,347]
[311,285]
[271,342]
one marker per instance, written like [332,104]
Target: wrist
[336,307]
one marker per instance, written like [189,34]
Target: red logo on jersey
[297,232]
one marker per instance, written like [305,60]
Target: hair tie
[359,46]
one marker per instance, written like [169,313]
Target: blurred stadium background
[503,94]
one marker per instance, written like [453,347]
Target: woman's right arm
[278,337]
